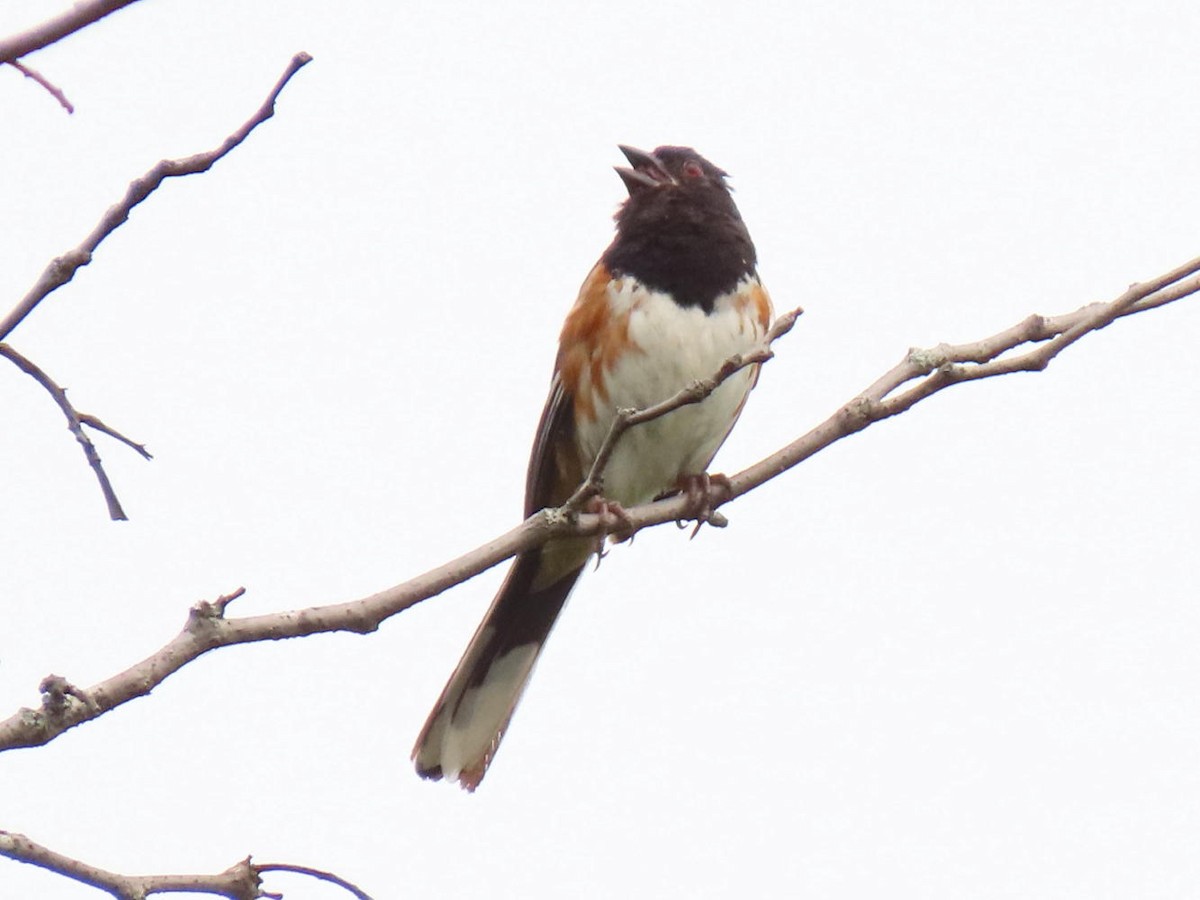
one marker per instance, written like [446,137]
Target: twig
[80,15]
[239,882]
[938,368]
[52,89]
[63,268]
[316,873]
[208,629]
[75,422]
[693,393]
[92,422]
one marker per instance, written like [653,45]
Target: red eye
[692,169]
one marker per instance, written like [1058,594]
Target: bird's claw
[698,490]
[614,522]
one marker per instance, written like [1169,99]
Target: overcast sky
[953,656]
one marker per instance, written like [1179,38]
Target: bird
[674,296]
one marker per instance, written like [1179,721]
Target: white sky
[954,656]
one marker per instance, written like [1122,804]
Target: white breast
[675,347]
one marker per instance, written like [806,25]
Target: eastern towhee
[673,297]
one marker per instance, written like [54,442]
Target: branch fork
[241,881]
[627,418]
[62,269]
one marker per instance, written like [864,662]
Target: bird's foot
[614,522]
[699,490]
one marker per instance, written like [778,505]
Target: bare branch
[239,882]
[80,15]
[64,706]
[75,422]
[358,892]
[93,422]
[942,366]
[63,268]
[51,88]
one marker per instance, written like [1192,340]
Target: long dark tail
[464,729]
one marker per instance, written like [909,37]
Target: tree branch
[693,393]
[52,89]
[65,706]
[241,881]
[75,422]
[938,368]
[62,269]
[79,16]
[358,892]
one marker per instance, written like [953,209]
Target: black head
[680,230]
[680,169]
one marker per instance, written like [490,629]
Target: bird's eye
[692,169]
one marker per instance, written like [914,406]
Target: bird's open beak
[646,171]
